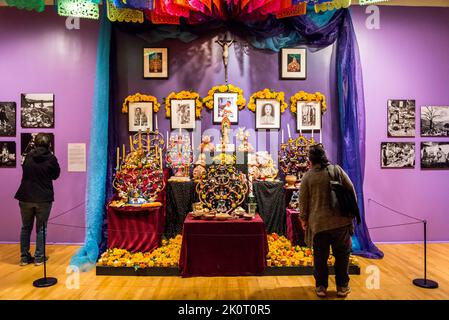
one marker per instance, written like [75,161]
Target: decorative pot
[291,180]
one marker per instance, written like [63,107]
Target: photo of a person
[155,62]
[7,154]
[183,114]
[308,115]
[294,63]
[140,116]
[225,104]
[267,114]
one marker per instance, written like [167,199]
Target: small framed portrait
[7,119]
[7,154]
[397,155]
[38,110]
[182,115]
[27,143]
[435,121]
[401,118]
[435,155]
[155,63]
[268,114]
[226,104]
[293,64]
[140,116]
[308,115]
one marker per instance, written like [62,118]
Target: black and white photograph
[140,116]
[401,118]
[398,155]
[268,114]
[226,104]
[293,63]
[434,155]
[7,154]
[308,115]
[7,119]
[435,121]
[38,110]
[155,63]
[27,143]
[182,114]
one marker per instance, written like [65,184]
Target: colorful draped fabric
[38,5]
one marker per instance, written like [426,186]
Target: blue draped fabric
[86,257]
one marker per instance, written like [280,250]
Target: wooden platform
[402,264]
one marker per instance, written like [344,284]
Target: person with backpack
[323,221]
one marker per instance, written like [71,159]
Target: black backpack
[342,198]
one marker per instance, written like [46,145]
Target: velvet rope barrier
[87,256]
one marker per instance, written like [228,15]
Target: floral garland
[138,97]
[304,96]
[184,95]
[209,99]
[267,94]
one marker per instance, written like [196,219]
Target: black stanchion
[425,283]
[45,281]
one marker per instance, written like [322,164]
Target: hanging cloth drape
[87,256]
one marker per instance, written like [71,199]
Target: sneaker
[26,261]
[321,292]
[343,292]
[40,261]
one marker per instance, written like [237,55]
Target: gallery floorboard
[402,263]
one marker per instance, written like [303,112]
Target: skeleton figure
[225,44]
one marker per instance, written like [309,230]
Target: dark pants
[340,241]
[30,211]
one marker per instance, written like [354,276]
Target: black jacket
[39,170]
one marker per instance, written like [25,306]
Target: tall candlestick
[118,157]
[148,140]
[160,157]
[300,132]
[131,146]
[167,139]
[312,134]
[140,139]
[288,128]
[124,152]
[193,145]
[282,140]
[155,121]
[179,131]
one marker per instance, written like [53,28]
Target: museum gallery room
[224,150]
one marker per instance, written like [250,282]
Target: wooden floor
[401,264]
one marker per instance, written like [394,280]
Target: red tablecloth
[223,248]
[294,230]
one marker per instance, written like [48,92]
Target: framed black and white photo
[308,115]
[7,154]
[397,155]
[140,116]
[226,103]
[155,63]
[435,121]
[401,118]
[7,119]
[27,143]
[38,110]
[268,114]
[293,63]
[434,155]
[182,115]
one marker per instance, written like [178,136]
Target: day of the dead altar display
[136,215]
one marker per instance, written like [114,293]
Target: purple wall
[39,55]
[66,59]
[405,58]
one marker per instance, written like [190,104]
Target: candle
[288,128]
[193,145]
[155,121]
[167,139]
[300,132]
[118,157]
[124,152]
[160,157]
[312,133]
[140,139]
[148,140]
[179,131]
[282,140]
[131,146]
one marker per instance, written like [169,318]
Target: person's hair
[42,140]
[317,155]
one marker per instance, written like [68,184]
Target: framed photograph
[140,116]
[401,118]
[397,155]
[268,114]
[226,103]
[38,110]
[182,114]
[435,155]
[435,121]
[293,63]
[27,143]
[7,154]
[155,63]
[308,115]
[7,119]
